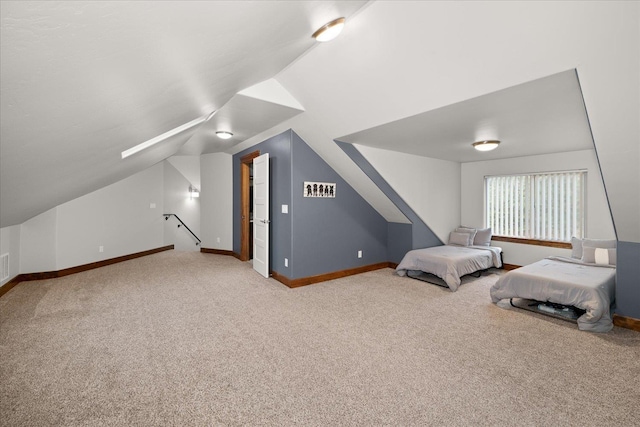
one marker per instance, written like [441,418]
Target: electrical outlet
[218,239]
[359,254]
[286,262]
[152,205]
[100,248]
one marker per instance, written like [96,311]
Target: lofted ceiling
[528,119]
[248,113]
[83,81]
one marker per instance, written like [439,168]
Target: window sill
[552,244]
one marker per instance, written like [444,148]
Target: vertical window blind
[545,206]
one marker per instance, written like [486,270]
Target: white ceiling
[83,81]
[528,119]
[244,116]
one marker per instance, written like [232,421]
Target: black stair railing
[182,224]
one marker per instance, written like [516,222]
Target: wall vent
[4,267]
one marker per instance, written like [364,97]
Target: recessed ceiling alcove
[542,116]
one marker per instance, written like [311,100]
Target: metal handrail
[166,217]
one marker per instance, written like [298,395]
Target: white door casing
[261,214]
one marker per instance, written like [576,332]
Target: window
[545,206]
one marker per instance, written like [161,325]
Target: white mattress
[450,262]
[565,281]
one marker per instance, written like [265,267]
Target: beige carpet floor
[182,338]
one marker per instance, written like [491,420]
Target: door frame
[245,165]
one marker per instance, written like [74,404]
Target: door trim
[245,163]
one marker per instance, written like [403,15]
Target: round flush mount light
[486,145]
[223,134]
[329,31]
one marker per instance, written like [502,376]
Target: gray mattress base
[435,280]
[427,277]
[571,315]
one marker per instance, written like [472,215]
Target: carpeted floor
[183,338]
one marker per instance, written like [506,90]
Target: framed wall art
[325,190]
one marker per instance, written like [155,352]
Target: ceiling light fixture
[486,145]
[166,135]
[329,31]
[223,134]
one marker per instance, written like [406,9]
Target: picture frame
[315,189]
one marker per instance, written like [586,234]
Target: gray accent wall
[421,235]
[317,236]
[399,241]
[328,233]
[279,149]
[628,279]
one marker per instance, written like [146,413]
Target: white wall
[599,224]
[430,186]
[216,201]
[189,166]
[38,243]
[117,217]
[10,243]
[177,201]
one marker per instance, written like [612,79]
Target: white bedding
[450,262]
[565,281]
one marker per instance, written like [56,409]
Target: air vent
[4,267]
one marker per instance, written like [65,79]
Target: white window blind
[545,206]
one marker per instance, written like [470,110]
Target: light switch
[285,208]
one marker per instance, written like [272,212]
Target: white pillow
[600,256]
[467,230]
[459,239]
[578,244]
[576,248]
[599,243]
[483,237]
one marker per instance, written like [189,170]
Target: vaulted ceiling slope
[399,59]
[83,81]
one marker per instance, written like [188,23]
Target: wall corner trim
[27,277]
[219,252]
